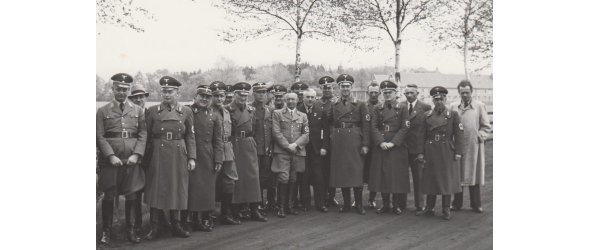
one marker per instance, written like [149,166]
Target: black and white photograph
[294,124]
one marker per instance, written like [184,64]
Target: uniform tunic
[287,129]
[247,188]
[350,124]
[110,119]
[443,139]
[209,152]
[477,127]
[172,139]
[389,168]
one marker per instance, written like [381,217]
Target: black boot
[129,221]
[107,221]
[271,203]
[372,203]
[138,215]
[255,213]
[226,211]
[397,200]
[475,198]
[198,222]
[358,197]
[154,224]
[235,211]
[176,228]
[458,201]
[292,191]
[282,199]
[446,204]
[346,197]
[386,208]
[429,210]
[184,220]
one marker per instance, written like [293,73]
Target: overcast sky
[185,37]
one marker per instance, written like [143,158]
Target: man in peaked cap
[226,180]
[138,95]
[279,92]
[373,91]
[298,89]
[263,138]
[229,94]
[415,139]
[173,154]
[209,151]
[349,142]
[247,188]
[389,172]
[443,148]
[121,138]
[327,85]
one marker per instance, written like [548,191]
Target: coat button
[162,145]
[162,128]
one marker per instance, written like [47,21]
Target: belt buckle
[124,134]
[437,137]
[242,134]
[168,136]
[386,128]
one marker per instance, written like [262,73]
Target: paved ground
[314,230]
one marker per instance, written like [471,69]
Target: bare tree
[297,19]
[123,13]
[467,26]
[390,17]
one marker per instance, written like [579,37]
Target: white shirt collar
[413,103]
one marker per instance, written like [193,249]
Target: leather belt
[122,134]
[437,137]
[241,134]
[170,136]
[346,125]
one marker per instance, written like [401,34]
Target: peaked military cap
[242,88]
[438,91]
[137,90]
[388,85]
[122,80]
[299,86]
[204,89]
[218,87]
[278,89]
[325,80]
[229,89]
[169,82]
[259,86]
[345,79]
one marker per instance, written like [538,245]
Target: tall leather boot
[292,191]
[271,199]
[457,201]
[429,210]
[154,224]
[346,197]
[176,228]
[358,197]
[107,220]
[129,221]
[398,199]
[446,204]
[282,199]
[372,203]
[198,222]
[226,210]
[138,214]
[386,208]
[184,220]
[475,198]
[255,213]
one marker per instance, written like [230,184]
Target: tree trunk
[465,59]
[397,44]
[298,59]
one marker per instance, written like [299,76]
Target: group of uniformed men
[185,158]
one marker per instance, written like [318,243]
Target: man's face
[138,100]
[218,99]
[202,100]
[229,98]
[120,93]
[345,90]
[465,93]
[279,100]
[373,93]
[389,95]
[439,102]
[169,95]
[260,96]
[328,90]
[411,94]
[291,101]
[309,98]
[299,96]
[241,98]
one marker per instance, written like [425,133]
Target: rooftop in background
[431,79]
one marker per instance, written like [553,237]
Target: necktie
[122,106]
[411,108]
